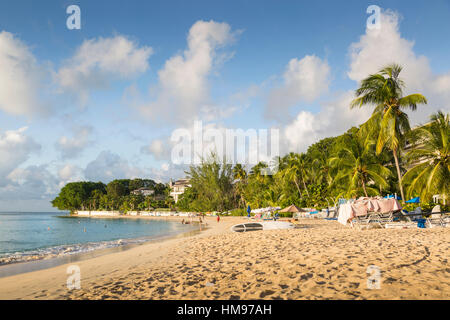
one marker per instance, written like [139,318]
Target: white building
[143,191]
[178,188]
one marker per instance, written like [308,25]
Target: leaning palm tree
[296,170]
[240,175]
[430,158]
[388,121]
[357,166]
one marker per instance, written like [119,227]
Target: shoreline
[321,260]
[27,285]
[34,263]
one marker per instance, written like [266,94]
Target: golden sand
[320,260]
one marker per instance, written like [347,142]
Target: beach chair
[386,218]
[361,222]
[374,219]
[407,216]
[332,214]
[441,219]
[446,219]
[400,225]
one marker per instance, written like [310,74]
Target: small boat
[258,226]
[244,227]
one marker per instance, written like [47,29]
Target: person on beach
[218,218]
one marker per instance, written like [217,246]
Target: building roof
[181,182]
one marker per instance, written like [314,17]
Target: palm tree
[296,170]
[390,123]
[240,174]
[259,171]
[357,166]
[431,157]
[320,170]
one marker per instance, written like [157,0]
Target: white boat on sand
[258,226]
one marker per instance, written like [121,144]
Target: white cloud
[69,173]
[374,50]
[333,119]
[378,48]
[160,148]
[17,183]
[15,148]
[21,78]
[32,182]
[97,61]
[188,145]
[304,80]
[109,166]
[183,88]
[72,147]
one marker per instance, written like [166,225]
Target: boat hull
[258,226]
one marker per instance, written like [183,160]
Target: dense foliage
[382,156]
[116,195]
[366,161]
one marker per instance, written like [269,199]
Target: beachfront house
[178,188]
[143,191]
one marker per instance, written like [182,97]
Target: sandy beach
[320,260]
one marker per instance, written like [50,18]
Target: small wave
[62,250]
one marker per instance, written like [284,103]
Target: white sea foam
[62,250]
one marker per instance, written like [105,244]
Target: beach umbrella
[414,200]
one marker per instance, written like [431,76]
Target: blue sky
[101,102]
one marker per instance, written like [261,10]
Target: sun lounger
[400,225]
[332,215]
[361,222]
[374,219]
[438,220]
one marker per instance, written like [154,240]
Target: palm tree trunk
[364,187]
[398,173]
[298,188]
[304,184]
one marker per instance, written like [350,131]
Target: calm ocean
[34,236]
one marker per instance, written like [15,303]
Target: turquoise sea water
[34,236]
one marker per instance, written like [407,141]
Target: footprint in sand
[266,293]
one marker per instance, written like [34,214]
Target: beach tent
[292,208]
[414,200]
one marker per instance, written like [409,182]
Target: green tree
[296,170]
[212,184]
[385,91]
[357,166]
[240,181]
[430,157]
[76,195]
[118,188]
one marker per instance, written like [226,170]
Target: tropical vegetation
[382,156]
[116,195]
